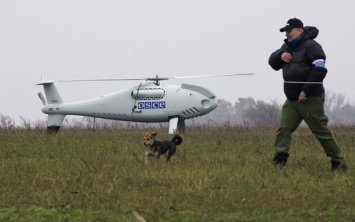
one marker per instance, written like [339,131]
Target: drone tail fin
[52,94]
[53,97]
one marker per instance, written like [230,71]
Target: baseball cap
[292,23]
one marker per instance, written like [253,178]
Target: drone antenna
[157,80]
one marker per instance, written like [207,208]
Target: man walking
[302,61]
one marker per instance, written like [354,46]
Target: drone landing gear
[52,129]
[176,124]
[54,122]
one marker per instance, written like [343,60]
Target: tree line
[243,111]
[260,113]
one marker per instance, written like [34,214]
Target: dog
[155,148]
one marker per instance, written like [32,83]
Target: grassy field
[218,174]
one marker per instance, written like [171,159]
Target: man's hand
[286,57]
[302,97]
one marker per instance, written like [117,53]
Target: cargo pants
[312,112]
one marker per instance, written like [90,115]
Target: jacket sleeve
[317,74]
[275,58]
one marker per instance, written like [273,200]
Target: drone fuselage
[144,103]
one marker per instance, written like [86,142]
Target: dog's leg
[170,153]
[167,157]
[157,156]
[147,159]
[169,161]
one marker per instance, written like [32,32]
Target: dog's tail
[177,139]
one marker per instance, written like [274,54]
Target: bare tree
[6,122]
[263,114]
[338,109]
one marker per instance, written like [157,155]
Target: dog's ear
[154,134]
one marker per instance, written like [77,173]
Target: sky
[82,39]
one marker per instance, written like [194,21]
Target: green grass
[218,174]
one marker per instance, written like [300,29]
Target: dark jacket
[300,69]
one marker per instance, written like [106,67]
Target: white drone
[148,102]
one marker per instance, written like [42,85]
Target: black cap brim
[286,29]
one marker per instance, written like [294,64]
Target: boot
[338,166]
[280,159]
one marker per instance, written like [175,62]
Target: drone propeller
[93,80]
[206,76]
[156,79]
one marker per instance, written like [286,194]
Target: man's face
[294,33]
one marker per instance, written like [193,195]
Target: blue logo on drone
[152,105]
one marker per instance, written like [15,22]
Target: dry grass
[218,174]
